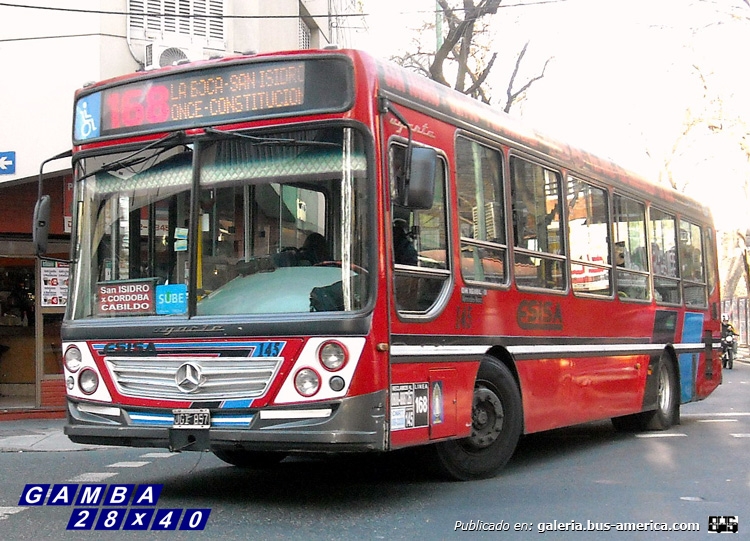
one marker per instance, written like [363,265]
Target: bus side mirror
[41,224]
[418,191]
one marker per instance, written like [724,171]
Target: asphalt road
[588,476]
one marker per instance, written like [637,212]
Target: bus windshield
[276,223]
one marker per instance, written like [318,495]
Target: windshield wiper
[271,140]
[135,157]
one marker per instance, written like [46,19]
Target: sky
[625,79]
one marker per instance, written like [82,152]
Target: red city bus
[317,251]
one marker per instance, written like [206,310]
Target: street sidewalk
[37,435]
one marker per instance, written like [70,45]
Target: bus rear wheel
[667,409]
[249,459]
[497,423]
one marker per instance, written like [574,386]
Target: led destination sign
[214,95]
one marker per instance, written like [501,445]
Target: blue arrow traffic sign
[8,163]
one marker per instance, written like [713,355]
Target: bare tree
[704,118]
[469,56]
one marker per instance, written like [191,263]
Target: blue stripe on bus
[160,419]
[255,346]
[692,331]
[151,419]
[242,403]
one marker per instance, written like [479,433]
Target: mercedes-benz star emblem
[188,378]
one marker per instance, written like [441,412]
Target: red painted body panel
[556,391]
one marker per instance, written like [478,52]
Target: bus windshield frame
[280,220]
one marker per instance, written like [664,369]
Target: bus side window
[481,212]
[691,262]
[420,245]
[540,260]
[589,238]
[664,257]
[629,230]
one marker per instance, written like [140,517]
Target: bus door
[423,390]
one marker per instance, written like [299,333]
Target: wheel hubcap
[486,418]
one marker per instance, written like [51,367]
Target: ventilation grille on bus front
[189,378]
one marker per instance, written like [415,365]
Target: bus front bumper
[352,424]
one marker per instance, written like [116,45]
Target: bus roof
[400,85]
[418,91]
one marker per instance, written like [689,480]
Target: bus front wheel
[497,423]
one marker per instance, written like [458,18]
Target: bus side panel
[546,393]
[430,402]
[692,331]
[705,385]
[699,374]
[605,387]
[567,391]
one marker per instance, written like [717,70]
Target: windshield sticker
[88,117]
[171,299]
[437,402]
[127,298]
[180,239]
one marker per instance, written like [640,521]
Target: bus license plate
[192,418]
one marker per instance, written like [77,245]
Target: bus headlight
[307,382]
[332,355]
[73,359]
[88,381]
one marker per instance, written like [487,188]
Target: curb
[23,414]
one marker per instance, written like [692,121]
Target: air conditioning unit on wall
[160,54]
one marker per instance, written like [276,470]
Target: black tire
[730,358]
[497,423]
[249,459]
[667,412]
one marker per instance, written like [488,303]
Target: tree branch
[478,81]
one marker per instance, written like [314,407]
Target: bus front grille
[191,378]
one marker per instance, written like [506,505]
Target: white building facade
[49,49]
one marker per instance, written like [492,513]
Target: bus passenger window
[664,257]
[629,229]
[539,252]
[691,264]
[481,212]
[588,233]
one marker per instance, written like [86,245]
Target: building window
[160,19]
[304,35]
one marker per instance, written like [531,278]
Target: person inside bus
[403,246]
[620,253]
[314,250]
